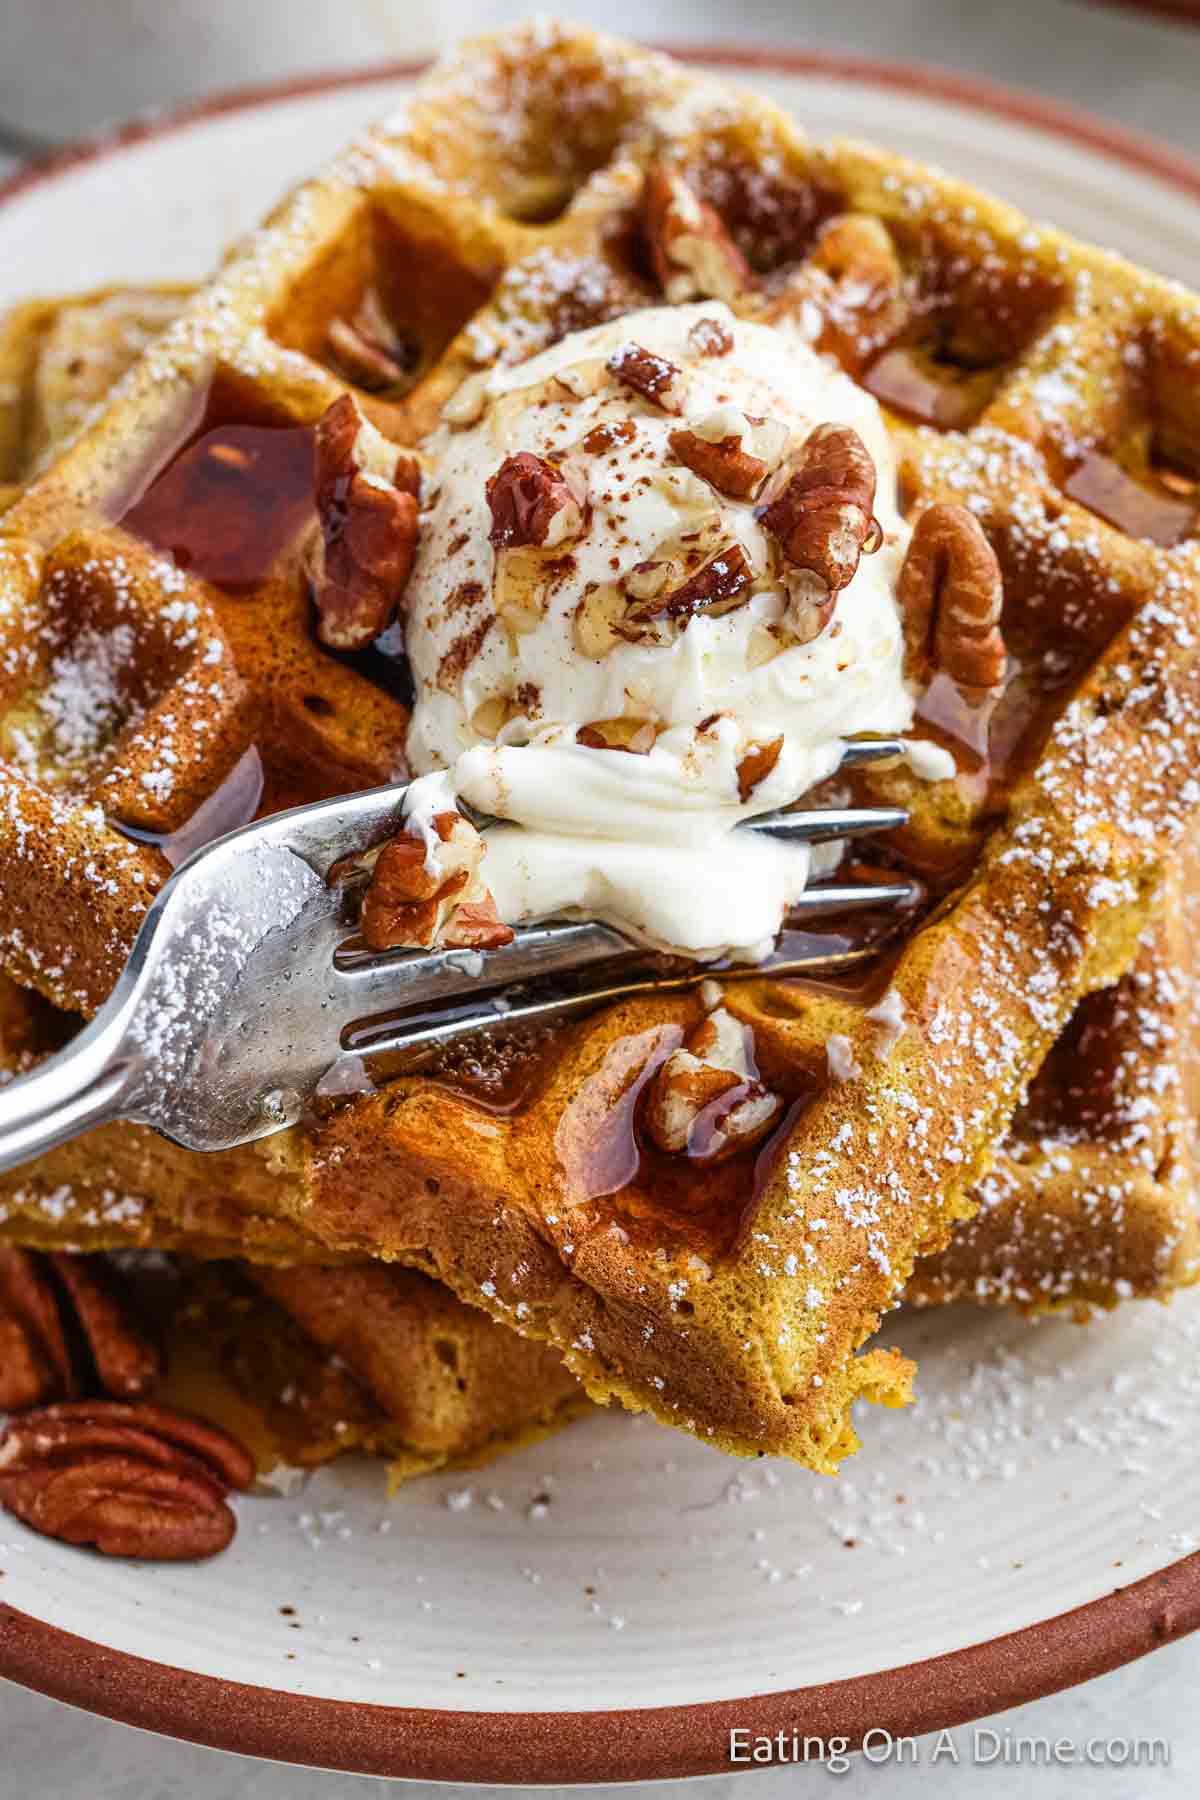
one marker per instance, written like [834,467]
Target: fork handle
[82,1086]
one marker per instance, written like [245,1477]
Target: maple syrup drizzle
[230,501]
[1162,510]
[995,735]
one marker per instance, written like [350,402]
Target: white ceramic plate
[1045,1485]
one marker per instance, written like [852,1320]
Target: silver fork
[247,989]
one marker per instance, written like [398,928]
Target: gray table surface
[1140,72]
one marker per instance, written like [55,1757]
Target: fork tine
[829,822]
[417,1035]
[854,896]
[870,750]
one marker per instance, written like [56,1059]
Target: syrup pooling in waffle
[871,1166]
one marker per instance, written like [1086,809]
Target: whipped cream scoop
[528,668]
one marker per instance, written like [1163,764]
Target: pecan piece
[368,349]
[756,765]
[707,1099]
[734,452]
[49,1302]
[656,378]
[366,499]
[534,503]
[420,894]
[820,508]
[709,337]
[138,1481]
[692,254]
[720,584]
[951,594]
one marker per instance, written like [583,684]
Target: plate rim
[626,1744]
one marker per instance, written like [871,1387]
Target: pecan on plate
[951,594]
[58,1314]
[535,504]
[422,894]
[366,493]
[707,1099]
[141,1481]
[733,451]
[692,254]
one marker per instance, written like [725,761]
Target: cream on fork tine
[246,985]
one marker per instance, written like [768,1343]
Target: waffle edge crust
[516,212]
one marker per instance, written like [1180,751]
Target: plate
[610,1605]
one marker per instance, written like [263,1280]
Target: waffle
[1036,379]
[1094,1194]
[59,359]
[308,1364]
[1092,1197]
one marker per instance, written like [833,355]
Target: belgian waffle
[309,1364]
[1035,379]
[1093,1195]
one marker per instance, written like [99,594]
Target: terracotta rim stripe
[656,1742]
[972,91]
[573,1747]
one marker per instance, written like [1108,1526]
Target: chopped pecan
[421,895]
[608,435]
[756,765]
[693,256]
[366,498]
[139,1481]
[819,507]
[951,594]
[534,503]
[732,451]
[638,736]
[48,1303]
[716,587]
[368,348]
[656,378]
[707,1098]
[709,337]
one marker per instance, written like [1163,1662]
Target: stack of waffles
[474,1251]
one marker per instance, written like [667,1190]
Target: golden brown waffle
[1093,1196]
[309,1364]
[59,359]
[730,1302]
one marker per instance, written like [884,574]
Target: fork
[246,989]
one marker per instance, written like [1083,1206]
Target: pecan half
[366,498]
[50,1303]
[419,896]
[656,378]
[820,506]
[707,1099]
[140,1481]
[692,254]
[951,594]
[534,503]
